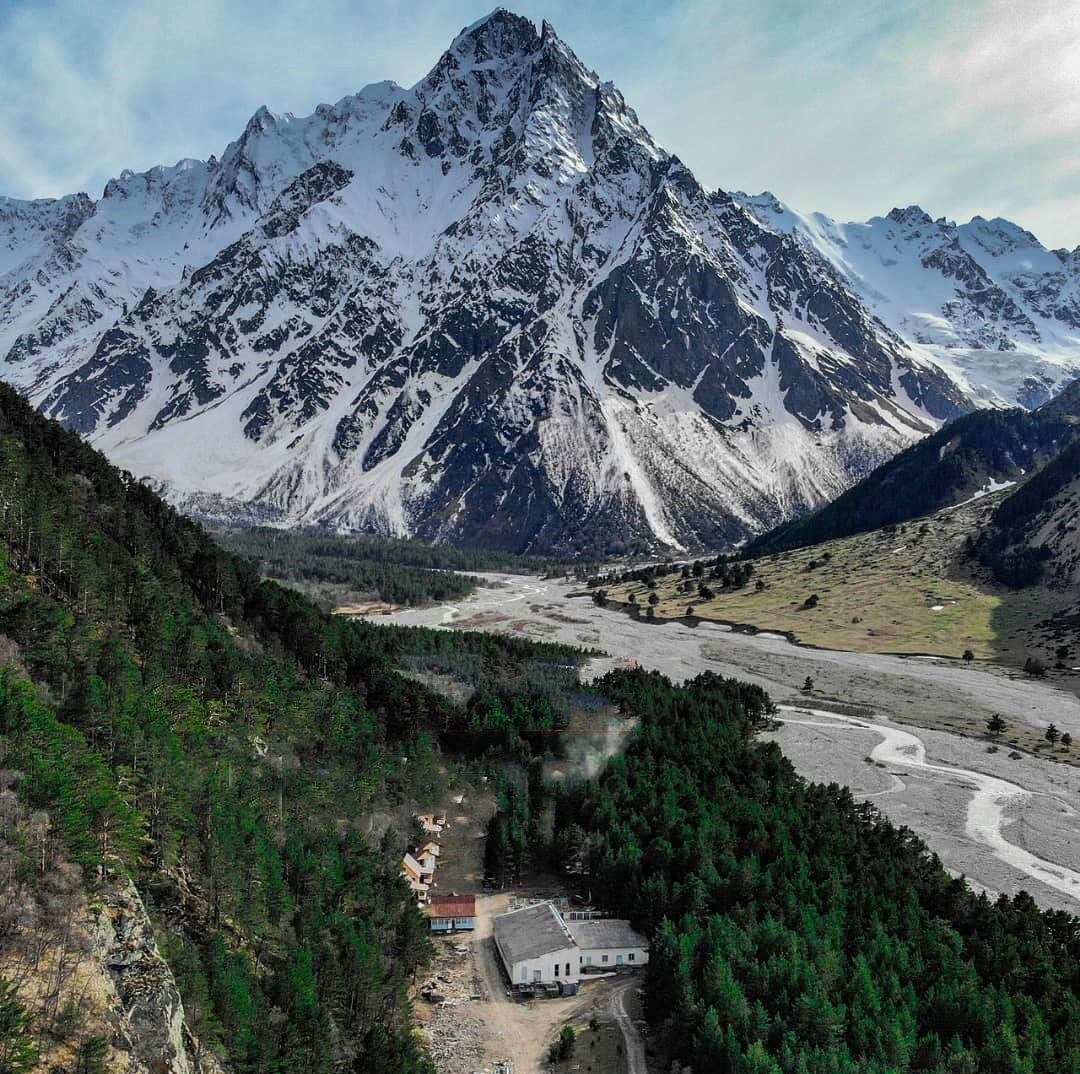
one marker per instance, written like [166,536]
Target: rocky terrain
[984,300]
[84,960]
[487,309]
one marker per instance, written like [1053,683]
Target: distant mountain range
[984,300]
[491,310]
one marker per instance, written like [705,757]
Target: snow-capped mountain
[985,300]
[486,309]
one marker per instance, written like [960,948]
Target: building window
[524,973]
[603,958]
[568,969]
[630,957]
[556,969]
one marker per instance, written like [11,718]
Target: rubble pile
[455,1026]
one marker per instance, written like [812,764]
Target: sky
[847,107]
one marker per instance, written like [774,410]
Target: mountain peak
[912,215]
[498,35]
[485,308]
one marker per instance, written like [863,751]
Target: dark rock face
[107,387]
[488,310]
[151,1024]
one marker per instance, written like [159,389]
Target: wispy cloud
[847,106]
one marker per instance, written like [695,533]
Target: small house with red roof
[451,913]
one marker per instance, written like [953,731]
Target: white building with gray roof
[539,948]
[607,944]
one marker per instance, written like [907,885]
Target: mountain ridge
[964,296]
[982,452]
[488,309]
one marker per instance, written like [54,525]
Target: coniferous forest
[178,718]
[213,735]
[795,930]
[330,568]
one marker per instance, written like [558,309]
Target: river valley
[1004,820]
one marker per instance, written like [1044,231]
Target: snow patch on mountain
[490,309]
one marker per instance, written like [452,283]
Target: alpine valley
[491,310]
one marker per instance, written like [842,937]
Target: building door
[536,976]
[618,960]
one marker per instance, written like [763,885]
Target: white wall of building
[524,972]
[607,958]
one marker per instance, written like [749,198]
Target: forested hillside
[1036,526]
[796,931]
[967,455]
[216,738]
[335,570]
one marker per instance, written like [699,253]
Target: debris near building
[452,1018]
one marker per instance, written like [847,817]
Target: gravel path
[633,1046]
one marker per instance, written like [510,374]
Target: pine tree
[17,1050]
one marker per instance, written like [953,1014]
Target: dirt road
[513,1029]
[633,1046]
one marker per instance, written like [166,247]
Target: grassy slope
[889,581]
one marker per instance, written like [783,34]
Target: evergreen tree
[17,1050]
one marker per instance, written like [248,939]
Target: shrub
[1034,667]
[563,1048]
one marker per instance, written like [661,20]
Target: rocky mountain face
[986,301]
[82,957]
[487,309]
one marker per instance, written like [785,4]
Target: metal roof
[604,933]
[531,932]
[453,906]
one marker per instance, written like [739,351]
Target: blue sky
[961,106]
